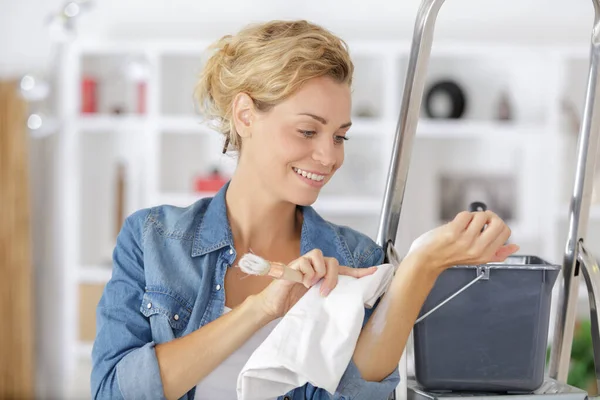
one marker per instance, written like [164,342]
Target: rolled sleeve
[353,387]
[138,374]
[124,363]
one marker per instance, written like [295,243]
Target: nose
[325,152]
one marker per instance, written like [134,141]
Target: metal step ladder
[577,259]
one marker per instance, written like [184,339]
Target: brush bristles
[254,265]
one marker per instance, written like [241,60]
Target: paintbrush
[256,265]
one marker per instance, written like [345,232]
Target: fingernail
[325,291]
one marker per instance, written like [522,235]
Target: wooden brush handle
[292,275]
[282,271]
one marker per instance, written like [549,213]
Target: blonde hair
[269,62]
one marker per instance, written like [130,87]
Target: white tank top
[221,383]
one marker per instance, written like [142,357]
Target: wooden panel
[16,272]
[89,295]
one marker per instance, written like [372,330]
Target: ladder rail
[591,273]
[407,122]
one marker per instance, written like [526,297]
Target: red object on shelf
[89,98]
[141,98]
[211,183]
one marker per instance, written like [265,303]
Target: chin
[305,202]
[303,197]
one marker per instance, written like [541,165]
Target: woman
[177,320]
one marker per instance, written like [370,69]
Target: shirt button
[218,287]
[149,305]
[230,251]
[287,398]
[176,317]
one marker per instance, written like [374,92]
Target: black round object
[477,206]
[450,92]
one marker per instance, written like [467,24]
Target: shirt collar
[214,231]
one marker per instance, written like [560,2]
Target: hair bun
[269,62]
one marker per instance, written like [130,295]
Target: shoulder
[365,252]
[166,220]
[353,247]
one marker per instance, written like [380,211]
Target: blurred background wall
[25,47]
[24,44]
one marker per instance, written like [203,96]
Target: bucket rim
[526,262]
[528,267]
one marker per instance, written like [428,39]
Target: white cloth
[314,342]
[221,382]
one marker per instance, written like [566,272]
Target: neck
[257,221]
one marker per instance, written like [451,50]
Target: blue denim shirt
[168,275]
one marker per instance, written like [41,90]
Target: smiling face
[292,150]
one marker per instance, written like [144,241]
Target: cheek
[277,150]
[340,158]
[290,147]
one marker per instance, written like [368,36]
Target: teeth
[309,175]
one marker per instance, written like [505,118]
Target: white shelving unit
[164,148]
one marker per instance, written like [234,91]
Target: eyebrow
[324,121]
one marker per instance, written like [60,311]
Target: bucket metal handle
[483,273]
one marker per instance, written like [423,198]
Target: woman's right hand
[471,238]
[281,295]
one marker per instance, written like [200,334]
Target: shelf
[95,274]
[191,125]
[104,123]
[360,127]
[452,129]
[348,205]
[563,213]
[372,127]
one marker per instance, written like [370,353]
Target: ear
[243,114]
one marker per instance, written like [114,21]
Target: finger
[462,220]
[331,276]
[495,235]
[505,251]
[500,240]
[490,250]
[304,265]
[318,263]
[356,272]
[480,219]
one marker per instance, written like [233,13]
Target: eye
[307,134]
[340,139]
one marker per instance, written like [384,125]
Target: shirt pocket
[167,305]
